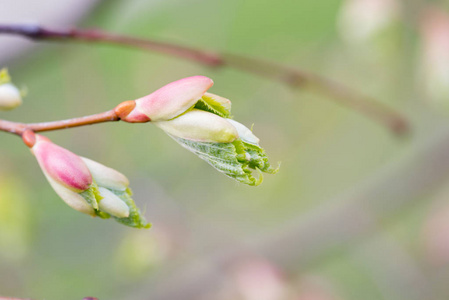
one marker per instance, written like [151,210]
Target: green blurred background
[354,213]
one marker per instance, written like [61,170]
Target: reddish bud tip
[29,138]
[128,112]
[124,109]
[61,165]
[173,99]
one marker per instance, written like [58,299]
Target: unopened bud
[169,101]
[61,165]
[65,171]
[105,176]
[198,125]
[85,185]
[71,198]
[112,204]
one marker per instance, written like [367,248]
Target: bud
[202,126]
[85,185]
[10,95]
[109,182]
[65,172]
[200,122]
[61,165]
[112,204]
[105,176]
[169,101]
[227,145]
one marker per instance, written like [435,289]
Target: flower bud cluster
[85,185]
[200,121]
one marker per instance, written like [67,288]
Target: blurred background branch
[293,77]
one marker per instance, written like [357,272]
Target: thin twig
[371,108]
[19,128]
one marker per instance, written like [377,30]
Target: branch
[371,108]
[20,128]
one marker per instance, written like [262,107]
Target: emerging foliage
[237,159]
[135,218]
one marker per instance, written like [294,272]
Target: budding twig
[371,108]
[20,128]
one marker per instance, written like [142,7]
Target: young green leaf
[135,218]
[214,104]
[234,159]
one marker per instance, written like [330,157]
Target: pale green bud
[112,204]
[105,176]
[202,126]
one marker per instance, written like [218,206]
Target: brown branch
[371,108]
[19,128]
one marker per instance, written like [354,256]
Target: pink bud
[170,101]
[61,165]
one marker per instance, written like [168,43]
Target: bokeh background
[354,213]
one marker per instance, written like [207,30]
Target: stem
[19,128]
[371,108]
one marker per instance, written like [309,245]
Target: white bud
[71,198]
[202,126]
[105,176]
[10,96]
[245,134]
[112,204]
